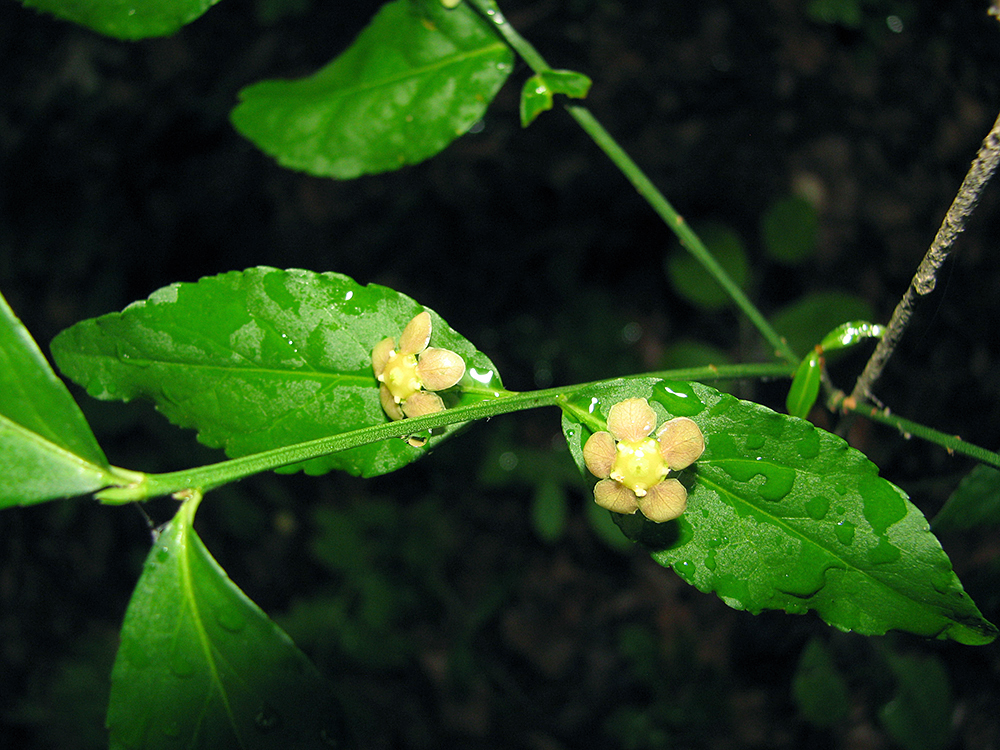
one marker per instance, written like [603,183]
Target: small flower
[633,466]
[409,374]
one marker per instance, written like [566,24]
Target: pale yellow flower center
[638,465]
[400,376]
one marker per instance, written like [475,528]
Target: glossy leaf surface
[414,80]
[782,515]
[850,334]
[201,666]
[805,385]
[47,450]
[125,20]
[538,91]
[809,319]
[263,358]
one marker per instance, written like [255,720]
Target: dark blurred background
[445,603]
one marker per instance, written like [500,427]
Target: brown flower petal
[416,335]
[631,419]
[615,497]
[389,404]
[664,501]
[681,442]
[599,454]
[421,403]
[440,368]
[380,355]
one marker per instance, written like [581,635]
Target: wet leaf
[810,318]
[850,334]
[782,515]
[201,666]
[418,77]
[47,450]
[263,358]
[126,20]
[805,385]
[538,91]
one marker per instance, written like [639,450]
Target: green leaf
[125,20]
[805,385]
[201,666]
[537,92]
[809,319]
[819,689]
[690,279]
[919,717]
[975,502]
[261,359]
[47,450]
[414,80]
[782,515]
[536,98]
[789,229]
[850,334]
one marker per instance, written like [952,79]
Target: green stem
[641,183]
[951,443]
[136,486]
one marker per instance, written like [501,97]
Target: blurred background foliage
[478,599]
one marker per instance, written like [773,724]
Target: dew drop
[162,554]
[778,480]
[943,580]
[882,504]
[266,719]
[678,398]
[778,483]
[686,570]
[181,667]
[710,560]
[817,507]
[844,531]
[595,403]
[884,552]
[754,442]
[229,618]
[808,445]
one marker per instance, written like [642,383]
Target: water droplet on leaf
[844,531]
[230,619]
[678,398]
[817,507]
[181,666]
[884,552]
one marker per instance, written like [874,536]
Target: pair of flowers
[632,465]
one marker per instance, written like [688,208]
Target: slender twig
[951,443]
[689,240]
[925,278]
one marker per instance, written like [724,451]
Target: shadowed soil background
[429,596]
